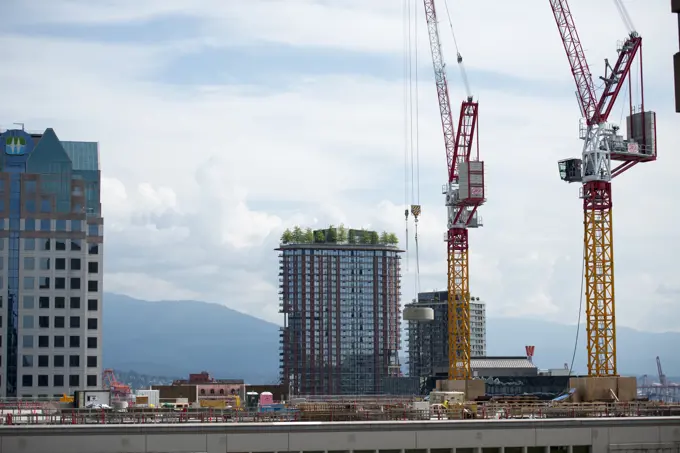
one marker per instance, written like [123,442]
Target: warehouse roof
[500,362]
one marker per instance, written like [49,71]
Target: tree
[392,239]
[308,236]
[384,238]
[365,236]
[374,238]
[342,233]
[319,237]
[298,235]
[352,237]
[287,237]
[332,234]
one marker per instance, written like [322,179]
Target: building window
[91,342]
[60,264]
[75,264]
[29,302]
[29,283]
[60,225]
[75,244]
[74,361]
[30,186]
[75,303]
[29,206]
[74,341]
[92,286]
[44,264]
[29,263]
[29,225]
[60,245]
[27,380]
[45,206]
[45,225]
[60,283]
[93,267]
[43,361]
[28,341]
[93,249]
[28,322]
[43,341]
[59,361]
[74,322]
[76,225]
[29,244]
[75,283]
[59,302]
[59,322]
[58,380]
[43,302]
[93,230]
[91,361]
[74,380]
[92,323]
[27,361]
[43,380]
[92,304]
[45,244]
[44,282]
[91,380]
[59,341]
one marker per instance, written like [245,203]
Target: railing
[333,411]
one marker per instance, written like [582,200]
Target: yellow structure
[458,305]
[599,280]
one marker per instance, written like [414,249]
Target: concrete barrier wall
[624,435]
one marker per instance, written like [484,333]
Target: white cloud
[199,181]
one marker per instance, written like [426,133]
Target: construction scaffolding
[340,301]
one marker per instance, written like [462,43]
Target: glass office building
[51,234]
[340,303]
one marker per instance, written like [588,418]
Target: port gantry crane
[464,194]
[603,144]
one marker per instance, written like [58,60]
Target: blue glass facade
[47,187]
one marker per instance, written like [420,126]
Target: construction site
[340,295]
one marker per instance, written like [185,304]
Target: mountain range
[175,338]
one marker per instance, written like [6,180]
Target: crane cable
[411,131]
[459,57]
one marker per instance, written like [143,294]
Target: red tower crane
[464,192]
[603,144]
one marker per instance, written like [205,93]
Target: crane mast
[464,192]
[602,144]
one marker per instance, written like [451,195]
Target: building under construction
[428,347]
[339,294]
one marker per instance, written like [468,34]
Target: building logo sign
[16,142]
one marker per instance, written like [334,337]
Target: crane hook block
[415,210]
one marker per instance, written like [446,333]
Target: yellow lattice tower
[458,305]
[599,278]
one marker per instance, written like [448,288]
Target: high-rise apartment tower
[428,341]
[51,233]
[339,294]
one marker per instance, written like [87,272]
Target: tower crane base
[475,387]
[589,389]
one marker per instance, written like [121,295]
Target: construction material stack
[602,145]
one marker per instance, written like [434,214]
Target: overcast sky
[222,122]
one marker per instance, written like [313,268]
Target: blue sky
[221,123]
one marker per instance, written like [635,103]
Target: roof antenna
[20,124]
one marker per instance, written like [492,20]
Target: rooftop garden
[337,235]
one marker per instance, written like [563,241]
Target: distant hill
[175,338]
